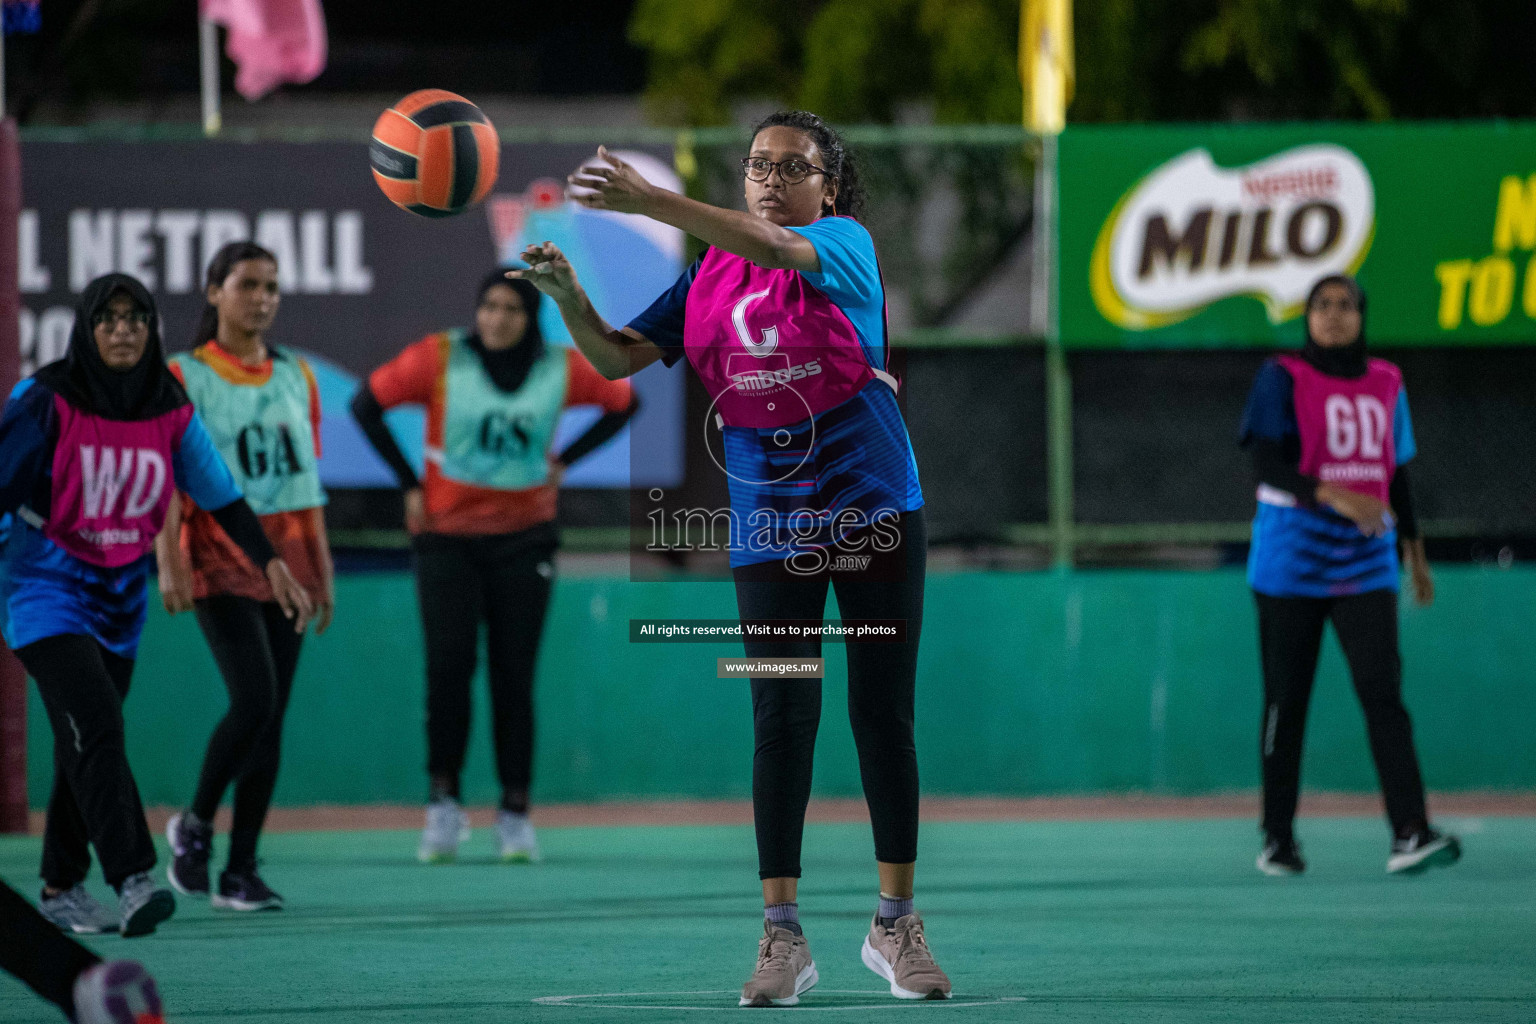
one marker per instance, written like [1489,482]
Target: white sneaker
[447,827]
[518,843]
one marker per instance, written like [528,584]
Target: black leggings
[95,800]
[34,950]
[257,652]
[1290,638]
[505,581]
[882,682]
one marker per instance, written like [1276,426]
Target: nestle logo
[1301,182]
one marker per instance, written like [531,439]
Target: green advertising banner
[1211,236]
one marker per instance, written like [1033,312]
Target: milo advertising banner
[1211,236]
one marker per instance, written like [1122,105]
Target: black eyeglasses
[1344,305]
[133,318]
[792,171]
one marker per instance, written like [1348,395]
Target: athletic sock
[442,791]
[784,915]
[893,908]
[192,820]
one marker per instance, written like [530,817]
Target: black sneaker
[243,889]
[1281,858]
[190,848]
[1421,851]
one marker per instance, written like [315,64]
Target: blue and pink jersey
[811,436]
[87,495]
[1352,432]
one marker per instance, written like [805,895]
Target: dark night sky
[147,49]
[563,48]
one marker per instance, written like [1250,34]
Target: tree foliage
[860,60]
[849,60]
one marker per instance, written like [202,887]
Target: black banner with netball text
[360,277]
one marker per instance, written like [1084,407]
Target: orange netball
[434,153]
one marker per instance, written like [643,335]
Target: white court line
[888,1004]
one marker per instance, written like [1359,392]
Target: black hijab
[83,380]
[1343,360]
[508,368]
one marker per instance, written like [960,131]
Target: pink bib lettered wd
[1346,425]
[770,347]
[112,483]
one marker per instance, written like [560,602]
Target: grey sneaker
[900,955]
[518,843]
[75,910]
[447,827]
[784,969]
[141,906]
[117,992]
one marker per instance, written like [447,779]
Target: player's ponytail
[218,269]
[838,161]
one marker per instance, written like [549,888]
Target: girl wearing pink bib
[92,448]
[1329,432]
[783,320]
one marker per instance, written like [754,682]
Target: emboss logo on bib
[105,473]
[762,380]
[1191,233]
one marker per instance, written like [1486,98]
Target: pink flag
[273,41]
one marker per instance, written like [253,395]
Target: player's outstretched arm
[614,353]
[615,185]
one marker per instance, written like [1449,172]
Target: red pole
[13,679]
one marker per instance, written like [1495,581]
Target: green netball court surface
[1088,921]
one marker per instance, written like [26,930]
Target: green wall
[1031,683]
